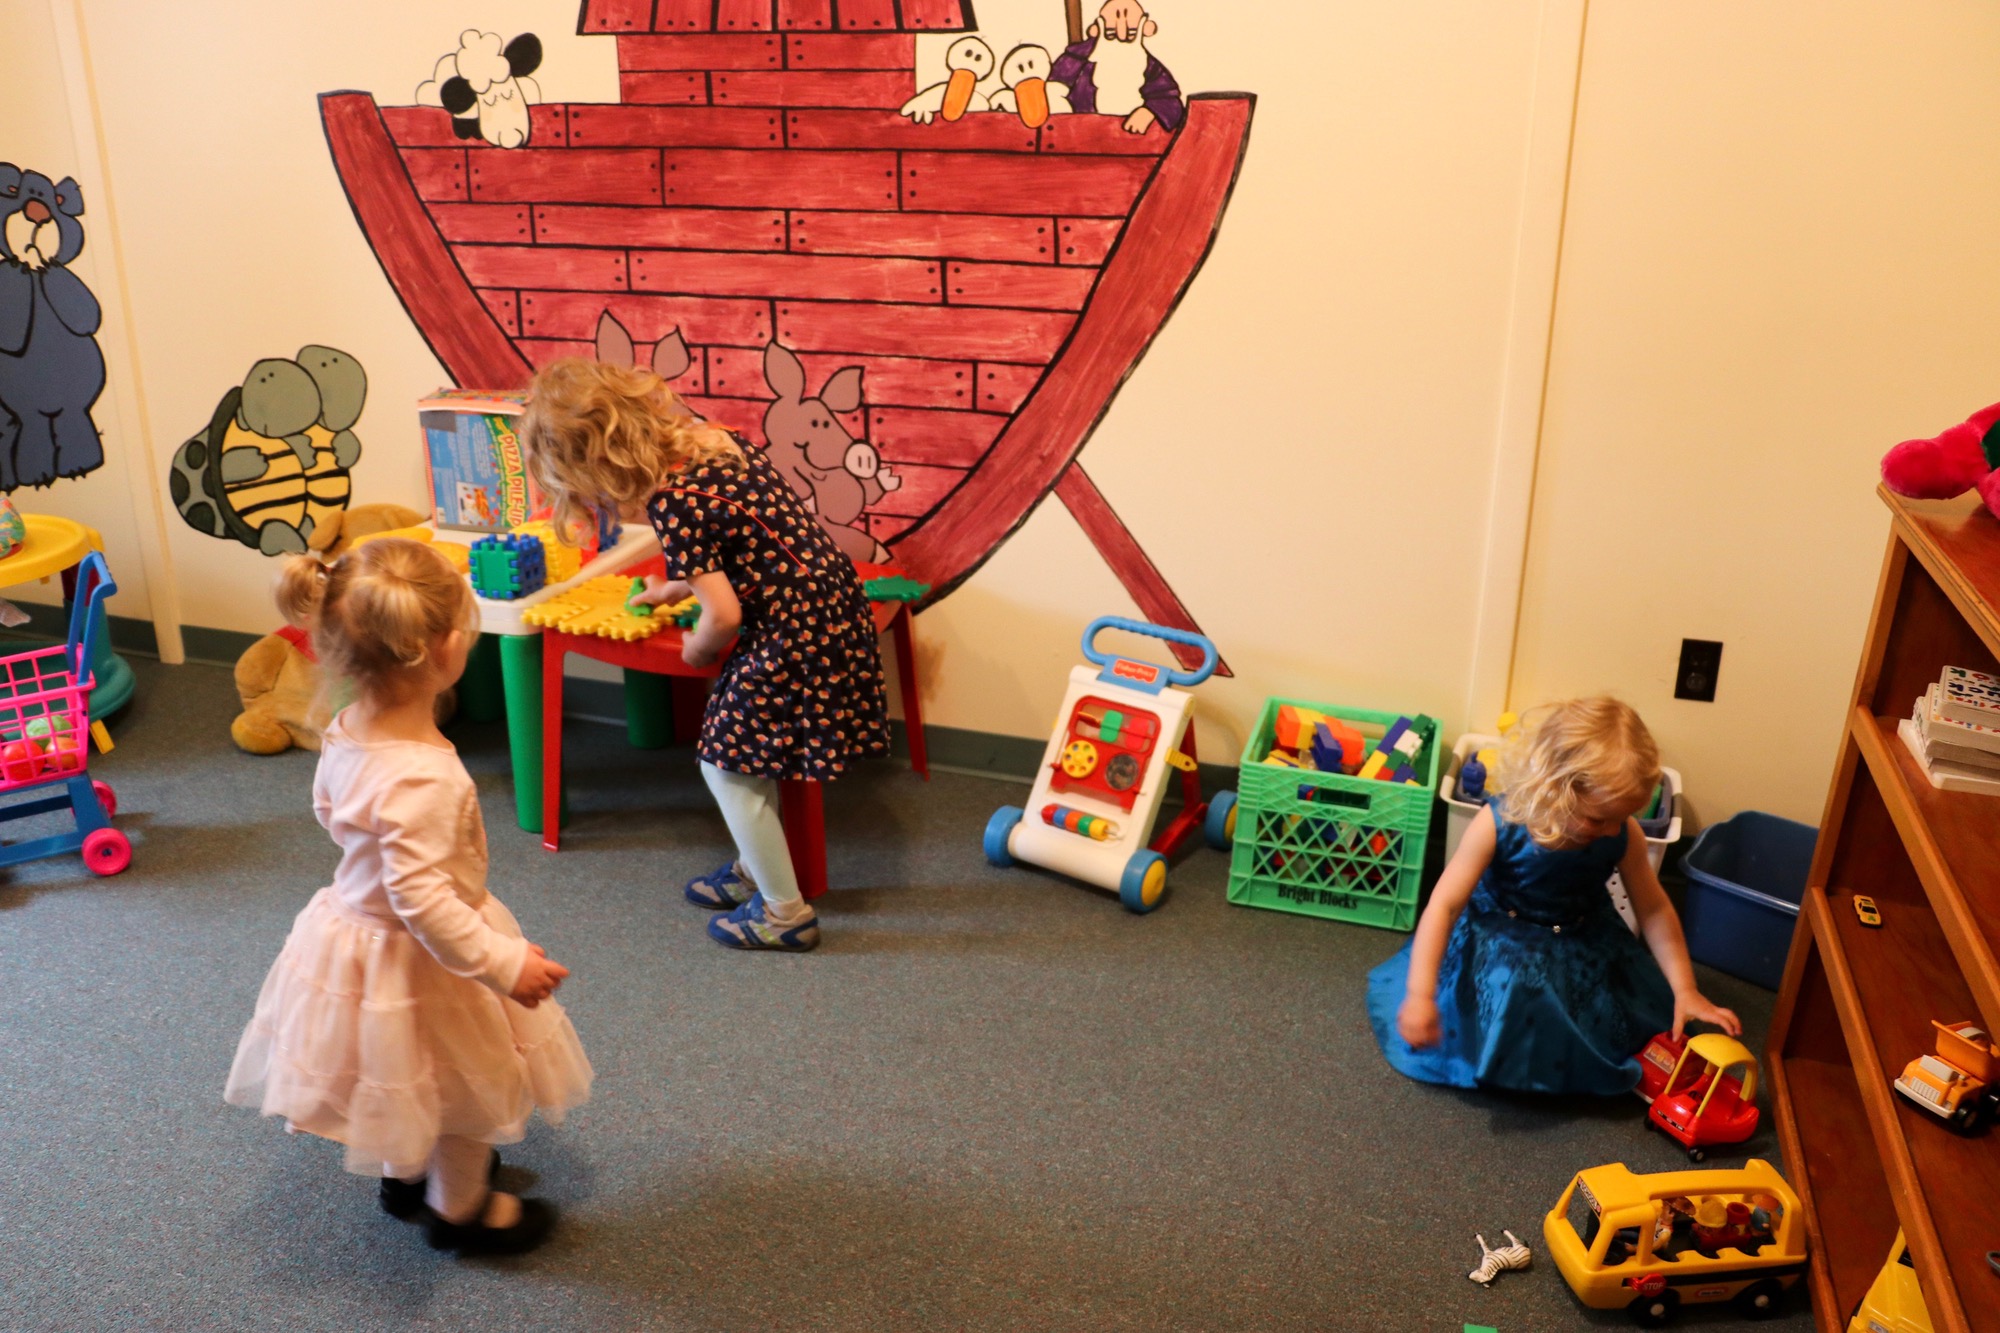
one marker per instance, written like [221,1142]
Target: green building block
[894,588]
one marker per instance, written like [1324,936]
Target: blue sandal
[747,927]
[720,889]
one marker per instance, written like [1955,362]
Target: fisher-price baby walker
[1105,773]
[45,735]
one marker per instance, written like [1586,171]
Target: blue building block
[1472,780]
[1327,754]
[507,567]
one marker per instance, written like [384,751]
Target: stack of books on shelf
[1955,732]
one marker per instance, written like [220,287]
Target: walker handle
[1174,675]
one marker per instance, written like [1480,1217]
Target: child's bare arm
[721,615]
[1418,1019]
[1660,927]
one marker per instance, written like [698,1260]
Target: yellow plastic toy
[1650,1244]
[597,606]
[1894,1303]
[562,559]
[458,553]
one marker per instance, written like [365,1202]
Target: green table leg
[482,691]
[521,669]
[649,710]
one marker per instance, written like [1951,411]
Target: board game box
[479,480]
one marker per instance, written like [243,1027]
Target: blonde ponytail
[375,613]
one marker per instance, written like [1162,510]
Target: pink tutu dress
[385,1022]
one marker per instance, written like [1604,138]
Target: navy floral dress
[1543,988]
[800,696]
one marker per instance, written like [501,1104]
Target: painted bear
[51,371]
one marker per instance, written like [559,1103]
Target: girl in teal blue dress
[1521,973]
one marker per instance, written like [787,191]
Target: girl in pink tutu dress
[406,1017]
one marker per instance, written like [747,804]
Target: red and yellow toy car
[1700,1103]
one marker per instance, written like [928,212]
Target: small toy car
[1651,1244]
[1894,1303]
[1957,1084]
[1703,1104]
[1864,908]
[1657,1063]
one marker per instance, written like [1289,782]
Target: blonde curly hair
[604,437]
[1572,757]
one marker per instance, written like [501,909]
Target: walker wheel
[1220,826]
[105,797]
[1144,882]
[106,851]
[998,830]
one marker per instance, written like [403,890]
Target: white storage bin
[1458,816]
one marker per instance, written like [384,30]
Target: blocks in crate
[1333,844]
[508,567]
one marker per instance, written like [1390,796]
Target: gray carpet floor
[991,1100]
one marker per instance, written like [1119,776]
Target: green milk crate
[1326,844]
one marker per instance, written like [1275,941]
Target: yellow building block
[563,559]
[596,607]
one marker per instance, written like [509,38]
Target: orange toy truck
[1957,1084]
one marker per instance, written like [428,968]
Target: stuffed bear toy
[278,679]
[1949,464]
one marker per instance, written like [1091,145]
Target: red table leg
[801,806]
[913,705]
[553,656]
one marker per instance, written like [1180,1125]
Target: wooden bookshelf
[1857,1003]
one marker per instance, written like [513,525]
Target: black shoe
[538,1219]
[404,1199]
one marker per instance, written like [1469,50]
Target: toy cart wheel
[998,830]
[1760,1300]
[1697,1155]
[1655,1311]
[1220,826]
[1145,881]
[105,797]
[106,851]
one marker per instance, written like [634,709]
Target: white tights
[750,808]
[457,1173]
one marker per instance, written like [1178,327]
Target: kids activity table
[659,656]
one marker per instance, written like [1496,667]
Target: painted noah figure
[1110,72]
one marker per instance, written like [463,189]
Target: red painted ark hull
[997,283]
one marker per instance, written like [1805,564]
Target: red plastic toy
[1702,1104]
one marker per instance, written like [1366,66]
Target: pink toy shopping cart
[45,738]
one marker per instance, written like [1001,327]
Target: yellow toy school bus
[1651,1244]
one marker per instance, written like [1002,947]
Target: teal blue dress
[1543,987]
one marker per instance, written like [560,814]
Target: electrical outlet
[1701,663]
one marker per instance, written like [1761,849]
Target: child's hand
[1418,1022]
[540,975]
[662,592]
[1694,1004]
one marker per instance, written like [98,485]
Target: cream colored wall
[1306,452]
[37,134]
[1779,260]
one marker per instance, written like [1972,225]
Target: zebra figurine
[1492,1262]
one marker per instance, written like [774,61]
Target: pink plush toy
[1952,463]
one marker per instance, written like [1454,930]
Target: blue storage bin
[1746,877]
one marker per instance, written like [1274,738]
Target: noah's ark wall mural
[961,274]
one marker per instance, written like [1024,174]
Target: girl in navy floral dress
[801,695]
[1521,973]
